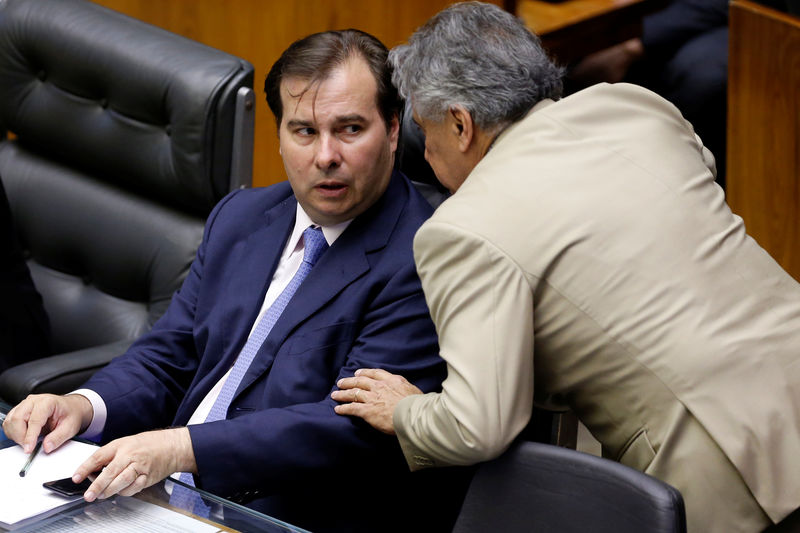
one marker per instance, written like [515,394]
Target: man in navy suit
[279,444]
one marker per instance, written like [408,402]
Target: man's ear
[462,127]
[394,132]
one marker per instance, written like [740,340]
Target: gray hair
[480,57]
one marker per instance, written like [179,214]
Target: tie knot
[314,244]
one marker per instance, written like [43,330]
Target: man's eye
[352,128]
[305,132]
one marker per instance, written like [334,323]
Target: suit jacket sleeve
[305,442]
[271,448]
[482,305]
[159,367]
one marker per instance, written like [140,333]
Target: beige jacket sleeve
[482,305]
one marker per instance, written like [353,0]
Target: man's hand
[59,417]
[373,394]
[133,463]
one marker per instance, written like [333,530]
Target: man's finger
[94,490]
[370,415]
[339,396]
[358,382]
[16,423]
[377,374]
[351,409]
[95,462]
[346,383]
[122,481]
[349,395]
[61,434]
[99,487]
[39,416]
[134,488]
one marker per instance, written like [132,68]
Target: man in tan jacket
[588,260]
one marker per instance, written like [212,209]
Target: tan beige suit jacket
[590,261]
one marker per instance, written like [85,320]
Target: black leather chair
[124,138]
[410,160]
[537,487]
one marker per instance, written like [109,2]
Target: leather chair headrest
[69,85]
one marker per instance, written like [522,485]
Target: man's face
[442,153]
[335,145]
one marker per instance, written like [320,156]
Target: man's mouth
[331,188]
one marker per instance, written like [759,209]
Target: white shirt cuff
[99,415]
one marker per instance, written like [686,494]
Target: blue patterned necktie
[314,245]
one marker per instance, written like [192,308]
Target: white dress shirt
[288,265]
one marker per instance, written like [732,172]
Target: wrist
[80,404]
[184,452]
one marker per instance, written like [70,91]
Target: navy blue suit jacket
[283,449]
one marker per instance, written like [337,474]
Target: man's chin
[329,215]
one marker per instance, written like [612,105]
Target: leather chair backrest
[105,262]
[121,145]
[139,107]
[540,487]
[410,160]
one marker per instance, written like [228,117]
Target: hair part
[480,57]
[314,58]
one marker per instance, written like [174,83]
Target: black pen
[30,459]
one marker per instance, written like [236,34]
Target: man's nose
[329,153]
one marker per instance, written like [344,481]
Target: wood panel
[259,30]
[763,177]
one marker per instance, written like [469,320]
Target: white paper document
[24,497]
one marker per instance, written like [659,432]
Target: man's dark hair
[314,57]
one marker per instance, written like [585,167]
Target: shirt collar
[303,221]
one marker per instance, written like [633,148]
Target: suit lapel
[342,264]
[335,270]
[256,261]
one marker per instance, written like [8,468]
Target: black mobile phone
[66,487]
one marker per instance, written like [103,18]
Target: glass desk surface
[151,511]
